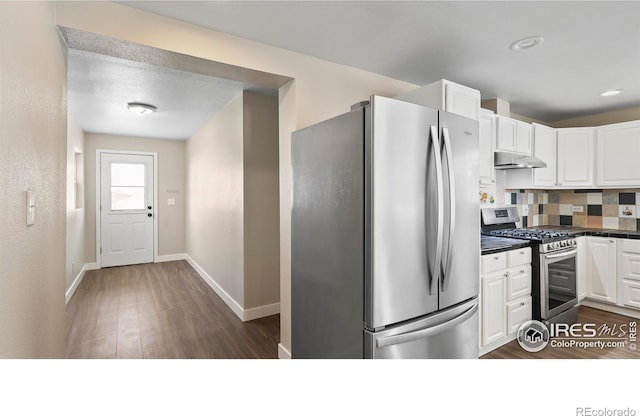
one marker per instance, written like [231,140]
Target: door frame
[98,193]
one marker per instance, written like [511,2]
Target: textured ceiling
[104,74]
[100,87]
[589,46]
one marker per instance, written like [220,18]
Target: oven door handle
[559,255]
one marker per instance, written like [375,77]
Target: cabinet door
[518,312]
[461,100]
[523,138]
[494,325]
[601,284]
[505,134]
[575,157]
[618,149]
[487,135]
[544,148]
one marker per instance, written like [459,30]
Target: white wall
[320,89]
[215,199]
[171,184]
[33,123]
[76,232]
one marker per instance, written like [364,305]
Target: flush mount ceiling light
[141,108]
[610,93]
[527,43]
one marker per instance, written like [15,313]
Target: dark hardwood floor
[161,310]
[585,315]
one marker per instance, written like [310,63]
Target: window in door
[128,187]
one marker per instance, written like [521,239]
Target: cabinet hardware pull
[496,258]
[522,252]
[521,271]
[521,303]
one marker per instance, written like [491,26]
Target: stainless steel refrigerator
[385,234]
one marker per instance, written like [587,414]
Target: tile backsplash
[594,208]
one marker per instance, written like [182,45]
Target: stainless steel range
[553,264]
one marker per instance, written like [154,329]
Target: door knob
[149,215]
[149,207]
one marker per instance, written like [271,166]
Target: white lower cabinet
[505,296]
[601,267]
[629,272]
[494,326]
[518,312]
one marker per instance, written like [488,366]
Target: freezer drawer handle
[426,332]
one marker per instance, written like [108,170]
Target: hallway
[161,310]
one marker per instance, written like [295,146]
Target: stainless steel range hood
[507,160]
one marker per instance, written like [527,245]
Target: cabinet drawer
[493,262]
[519,257]
[631,293]
[518,312]
[630,266]
[518,282]
[631,246]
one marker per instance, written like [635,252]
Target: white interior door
[126,209]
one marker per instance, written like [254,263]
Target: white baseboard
[244,315]
[261,311]
[76,282]
[231,303]
[171,257]
[283,353]
[632,313]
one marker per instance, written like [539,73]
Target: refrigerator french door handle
[426,332]
[435,267]
[446,266]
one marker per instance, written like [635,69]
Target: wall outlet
[171,201]
[577,208]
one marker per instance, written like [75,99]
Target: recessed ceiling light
[141,108]
[527,43]
[610,93]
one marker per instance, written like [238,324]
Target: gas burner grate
[527,234]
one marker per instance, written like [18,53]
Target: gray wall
[33,124]
[261,201]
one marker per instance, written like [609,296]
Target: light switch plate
[31,215]
[31,198]
[171,201]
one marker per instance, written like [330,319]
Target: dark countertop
[491,245]
[598,232]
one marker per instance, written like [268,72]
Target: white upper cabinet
[461,100]
[575,157]
[447,96]
[544,148]
[618,157]
[513,135]
[487,135]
